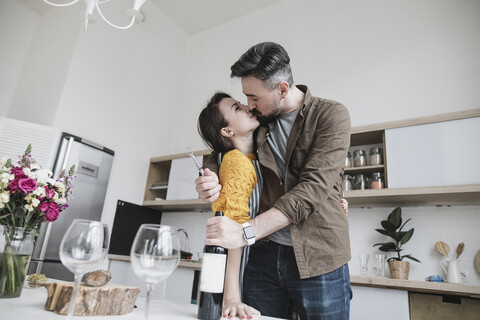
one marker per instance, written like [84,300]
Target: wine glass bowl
[154,255]
[84,247]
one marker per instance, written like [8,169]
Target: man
[302,145]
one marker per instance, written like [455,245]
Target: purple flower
[49,193]
[52,213]
[13,186]
[27,185]
[18,172]
[43,206]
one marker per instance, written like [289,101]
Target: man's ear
[284,88]
[226,132]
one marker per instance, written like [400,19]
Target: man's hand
[224,232]
[207,186]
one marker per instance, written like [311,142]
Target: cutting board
[109,299]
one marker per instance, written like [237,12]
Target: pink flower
[18,172]
[13,186]
[43,206]
[27,185]
[49,193]
[52,213]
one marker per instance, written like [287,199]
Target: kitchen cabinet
[389,136]
[442,307]
[369,303]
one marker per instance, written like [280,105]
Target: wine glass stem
[149,298]
[76,289]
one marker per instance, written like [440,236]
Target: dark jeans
[273,286]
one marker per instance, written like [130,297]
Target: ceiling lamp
[92,4]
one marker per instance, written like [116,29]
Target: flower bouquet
[29,196]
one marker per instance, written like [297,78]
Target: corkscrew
[191,155]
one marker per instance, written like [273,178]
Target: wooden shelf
[417,286]
[364,169]
[449,195]
[446,195]
[178,205]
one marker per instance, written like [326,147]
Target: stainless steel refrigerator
[92,164]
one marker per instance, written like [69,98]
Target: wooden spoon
[442,248]
[460,247]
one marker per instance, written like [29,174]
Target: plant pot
[399,269]
[16,246]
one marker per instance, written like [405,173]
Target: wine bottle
[212,278]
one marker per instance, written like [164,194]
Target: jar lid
[377,175]
[376,150]
[359,152]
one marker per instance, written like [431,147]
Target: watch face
[249,233]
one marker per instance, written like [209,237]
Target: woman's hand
[207,186]
[235,307]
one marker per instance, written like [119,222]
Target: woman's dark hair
[267,61]
[211,121]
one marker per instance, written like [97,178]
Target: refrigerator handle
[67,154]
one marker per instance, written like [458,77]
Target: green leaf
[411,258]
[395,217]
[387,246]
[387,233]
[405,223]
[407,236]
[388,226]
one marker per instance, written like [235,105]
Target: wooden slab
[110,299]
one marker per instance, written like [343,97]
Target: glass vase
[16,246]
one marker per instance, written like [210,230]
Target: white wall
[116,88]
[385,60]
[14,47]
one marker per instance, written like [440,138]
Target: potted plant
[393,228]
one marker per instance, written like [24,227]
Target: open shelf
[468,194]
[178,205]
[365,169]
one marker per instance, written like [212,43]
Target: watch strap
[248,233]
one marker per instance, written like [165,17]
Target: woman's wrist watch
[248,233]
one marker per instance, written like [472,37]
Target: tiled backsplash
[449,224]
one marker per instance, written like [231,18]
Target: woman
[227,127]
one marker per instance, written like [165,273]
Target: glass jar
[348,160]
[347,183]
[376,156]
[377,181]
[361,182]
[359,158]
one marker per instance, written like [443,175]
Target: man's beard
[264,119]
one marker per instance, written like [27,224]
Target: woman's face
[240,121]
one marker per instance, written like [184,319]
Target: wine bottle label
[213,272]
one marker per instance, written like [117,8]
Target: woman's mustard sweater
[238,179]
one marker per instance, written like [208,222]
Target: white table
[30,305]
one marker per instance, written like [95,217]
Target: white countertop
[30,305]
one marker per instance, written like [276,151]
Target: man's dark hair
[266,61]
[211,121]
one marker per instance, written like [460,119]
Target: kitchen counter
[417,286]
[30,305]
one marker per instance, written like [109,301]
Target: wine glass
[84,246]
[154,256]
